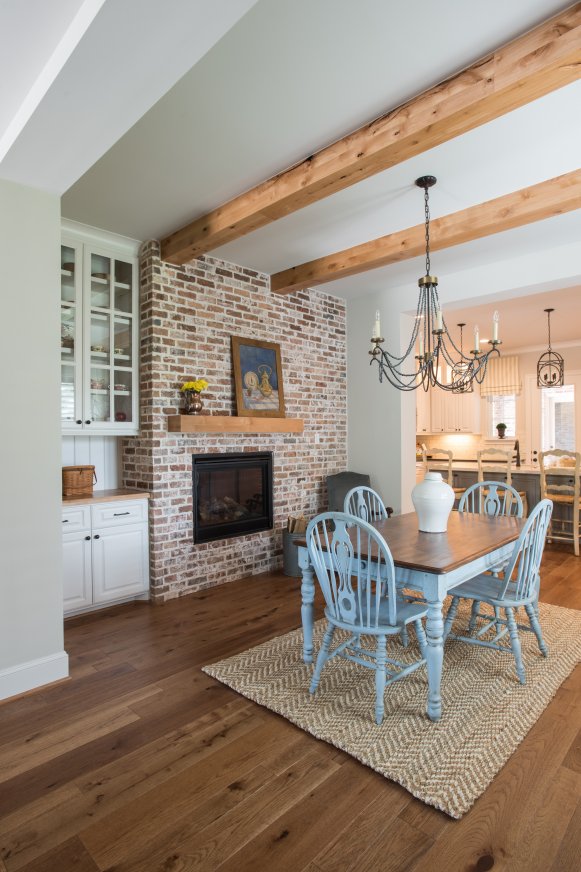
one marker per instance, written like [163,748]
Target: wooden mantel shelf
[232,424]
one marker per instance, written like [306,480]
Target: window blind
[502,377]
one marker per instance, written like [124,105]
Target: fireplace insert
[232,494]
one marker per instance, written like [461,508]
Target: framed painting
[258,378]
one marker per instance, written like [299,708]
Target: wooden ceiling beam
[531,66]
[553,197]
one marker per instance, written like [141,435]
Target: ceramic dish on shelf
[119,351]
[121,387]
[99,349]
[97,384]
[99,275]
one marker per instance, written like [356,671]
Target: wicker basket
[78,481]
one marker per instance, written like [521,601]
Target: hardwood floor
[142,763]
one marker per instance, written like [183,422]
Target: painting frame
[257,378]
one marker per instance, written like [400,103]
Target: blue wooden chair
[365,503]
[349,556]
[490,498]
[517,586]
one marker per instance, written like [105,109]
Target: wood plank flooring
[142,763]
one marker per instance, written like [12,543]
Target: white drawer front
[115,514]
[76,518]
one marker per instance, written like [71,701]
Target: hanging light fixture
[430,345]
[464,385]
[550,366]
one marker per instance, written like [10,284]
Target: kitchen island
[524,478]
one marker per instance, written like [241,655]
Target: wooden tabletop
[468,537]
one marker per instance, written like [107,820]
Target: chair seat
[488,589]
[562,498]
[406,612]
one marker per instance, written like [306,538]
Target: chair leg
[322,657]
[497,616]
[380,662]
[421,636]
[450,616]
[405,639]
[515,645]
[536,628]
[474,614]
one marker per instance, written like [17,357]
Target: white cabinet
[99,334]
[451,413]
[77,585]
[105,553]
[423,423]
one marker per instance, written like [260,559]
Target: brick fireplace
[188,315]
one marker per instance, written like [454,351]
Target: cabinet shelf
[232,424]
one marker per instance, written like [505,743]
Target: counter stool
[560,472]
[442,452]
[502,465]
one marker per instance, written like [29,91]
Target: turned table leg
[307,607]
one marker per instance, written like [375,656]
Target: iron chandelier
[550,365]
[431,346]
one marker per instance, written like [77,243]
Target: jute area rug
[449,764]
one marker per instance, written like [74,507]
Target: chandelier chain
[427,214]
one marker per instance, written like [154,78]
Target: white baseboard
[34,673]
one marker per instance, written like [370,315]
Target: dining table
[432,564]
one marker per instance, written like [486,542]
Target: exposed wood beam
[535,64]
[553,197]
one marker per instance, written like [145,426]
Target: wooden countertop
[107,496]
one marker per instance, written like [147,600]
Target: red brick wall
[188,315]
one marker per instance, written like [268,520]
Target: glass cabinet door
[71,325]
[110,326]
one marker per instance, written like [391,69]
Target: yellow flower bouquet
[198,385]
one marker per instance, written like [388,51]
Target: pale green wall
[31,614]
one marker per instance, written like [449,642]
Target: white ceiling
[289,78]
[265,84]
[520,328]
[102,73]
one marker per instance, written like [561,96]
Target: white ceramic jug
[433,500]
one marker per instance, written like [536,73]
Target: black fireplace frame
[205,462]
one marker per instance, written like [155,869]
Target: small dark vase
[501,432]
[192,403]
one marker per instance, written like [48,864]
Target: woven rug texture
[448,764]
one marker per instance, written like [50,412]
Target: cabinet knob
[88,421]
[79,421]
[87,538]
[96,536]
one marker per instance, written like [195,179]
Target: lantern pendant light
[550,366]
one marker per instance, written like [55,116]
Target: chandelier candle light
[431,345]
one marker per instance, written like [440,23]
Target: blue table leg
[435,657]
[307,607]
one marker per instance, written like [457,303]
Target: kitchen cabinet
[423,424]
[454,413]
[105,553]
[99,335]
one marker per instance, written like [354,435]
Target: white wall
[31,612]
[381,419]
